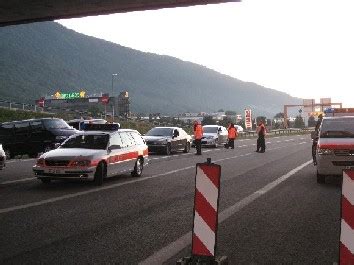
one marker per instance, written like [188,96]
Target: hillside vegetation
[41,58]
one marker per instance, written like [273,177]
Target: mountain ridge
[41,58]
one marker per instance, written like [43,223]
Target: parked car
[214,135]
[335,147]
[33,136]
[239,128]
[94,155]
[167,140]
[2,158]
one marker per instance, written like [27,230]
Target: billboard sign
[248,119]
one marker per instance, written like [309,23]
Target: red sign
[248,119]
[105,100]
[40,102]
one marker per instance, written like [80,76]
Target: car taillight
[40,162]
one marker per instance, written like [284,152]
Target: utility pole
[113,75]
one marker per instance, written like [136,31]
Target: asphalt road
[272,211]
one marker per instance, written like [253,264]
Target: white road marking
[17,180]
[278,141]
[173,248]
[268,142]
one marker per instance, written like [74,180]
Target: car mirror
[114,147]
[175,134]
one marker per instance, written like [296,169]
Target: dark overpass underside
[25,11]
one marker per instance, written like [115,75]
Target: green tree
[299,122]
[279,115]
[311,121]
[230,113]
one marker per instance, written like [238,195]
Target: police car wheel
[138,168]
[187,148]
[321,178]
[100,174]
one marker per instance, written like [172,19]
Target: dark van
[30,137]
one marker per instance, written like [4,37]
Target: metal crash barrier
[205,220]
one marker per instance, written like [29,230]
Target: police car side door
[130,153]
[116,149]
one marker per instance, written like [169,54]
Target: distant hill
[41,58]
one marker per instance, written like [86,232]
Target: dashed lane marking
[17,180]
[175,247]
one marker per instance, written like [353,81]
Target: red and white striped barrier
[346,256]
[206,202]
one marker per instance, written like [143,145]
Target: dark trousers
[261,143]
[314,147]
[231,143]
[198,146]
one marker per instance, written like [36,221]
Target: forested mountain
[41,58]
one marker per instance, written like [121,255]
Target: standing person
[315,139]
[232,134]
[261,131]
[198,134]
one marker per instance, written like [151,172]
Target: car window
[91,141]
[210,129]
[115,140]
[21,127]
[138,139]
[160,132]
[36,125]
[126,140]
[337,128]
[55,124]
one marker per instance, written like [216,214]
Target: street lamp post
[113,75]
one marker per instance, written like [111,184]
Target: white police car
[94,155]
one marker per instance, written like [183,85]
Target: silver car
[94,155]
[335,148]
[214,135]
[2,157]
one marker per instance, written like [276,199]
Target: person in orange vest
[261,131]
[232,134]
[198,134]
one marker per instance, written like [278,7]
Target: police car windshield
[56,124]
[160,132]
[87,141]
[337,128]
[210,129]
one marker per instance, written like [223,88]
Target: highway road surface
[272,211]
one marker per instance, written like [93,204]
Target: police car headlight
[81,163]
[325,151]
[40,162]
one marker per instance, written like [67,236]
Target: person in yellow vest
[232,134]
[198,134]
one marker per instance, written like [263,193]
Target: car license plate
[55,171]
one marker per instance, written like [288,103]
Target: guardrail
[245,134]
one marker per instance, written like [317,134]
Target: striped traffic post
[346,256]
[205,219]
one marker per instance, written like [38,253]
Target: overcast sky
[302,47]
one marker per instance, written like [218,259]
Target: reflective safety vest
[232,133]
[198,132]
